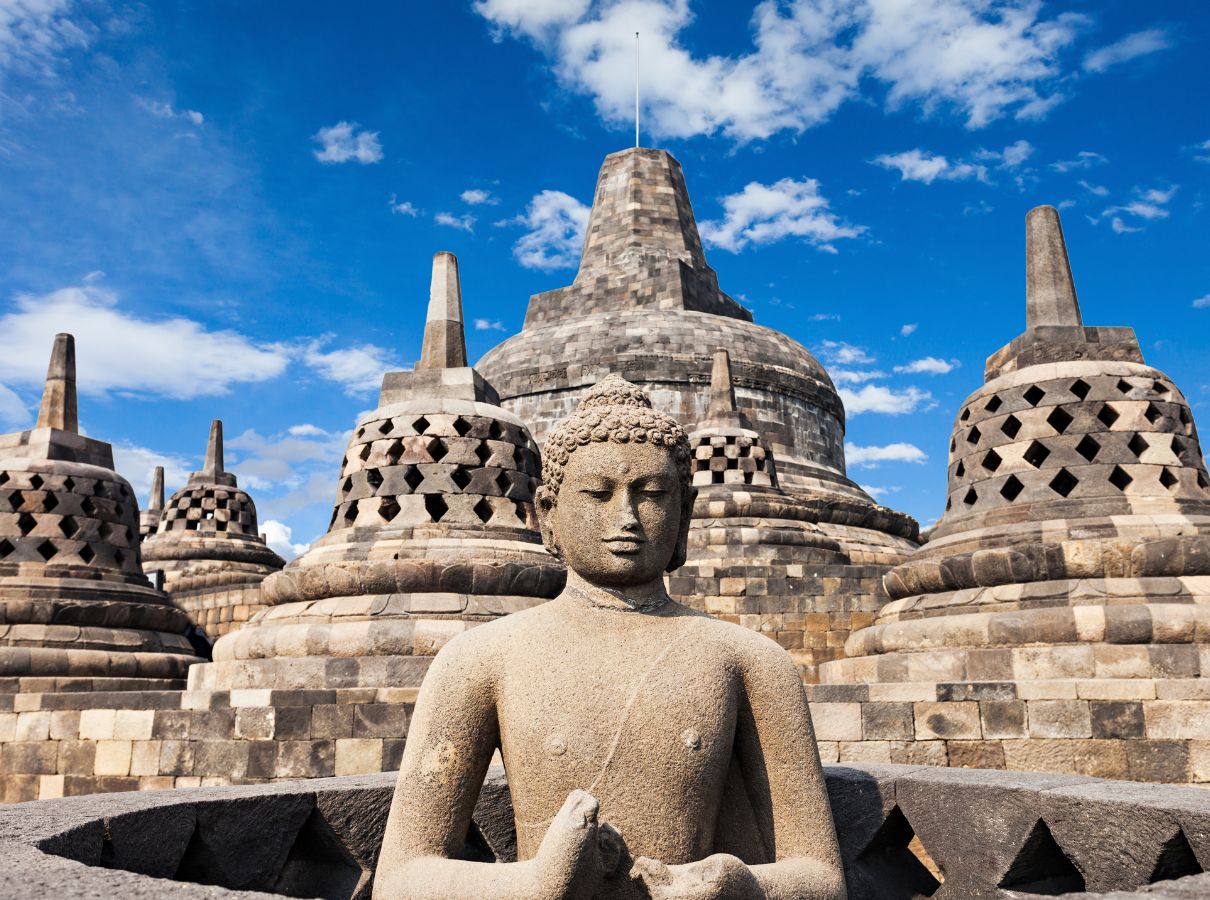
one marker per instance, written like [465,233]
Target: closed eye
[596,495]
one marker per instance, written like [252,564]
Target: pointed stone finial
[1050,292]
[722,393]
[156,500]
[214,449]
[444,342]
[58,408]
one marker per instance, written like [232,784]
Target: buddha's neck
[638,598]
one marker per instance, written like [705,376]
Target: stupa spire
[722,393]
[444,341]
[1050,292]
[58,409]
[214,449]
[156,500]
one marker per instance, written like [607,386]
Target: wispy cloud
[1202,302]
[1097,190]
[344,142]
[929,365]
[844,354]
[488,325]
[920,165]
[555,224]
[35,33]
[358,370]
[164,110]
[874,398]
[1085,159]
[464,222]
[479,197]
[764,213]
[908,329]
[1140,43]
[403,207]
[137,465]
[1147,206]
[871,457]
[280,537]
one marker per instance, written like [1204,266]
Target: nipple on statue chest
[555,745]
[691,739]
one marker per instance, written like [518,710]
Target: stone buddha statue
[651,750]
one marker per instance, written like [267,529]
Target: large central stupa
[646,305]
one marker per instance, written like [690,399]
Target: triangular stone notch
[897,862]
[1041,867]
[1176,860]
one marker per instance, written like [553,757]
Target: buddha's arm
[775,745]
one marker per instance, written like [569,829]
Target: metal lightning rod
[636,89]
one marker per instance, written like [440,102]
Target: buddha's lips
[624,544]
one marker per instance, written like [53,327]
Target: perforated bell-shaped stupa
[646,305]
[1074,553]
[433,530]
[76,605]
[755,555]
[209,547]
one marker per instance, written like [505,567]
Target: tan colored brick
[947,720]
[1059,719]
[829,752]
[33,726]
[97,724]
[358,756]
[133,724]
[50,787]
[919,753]
[8,727]
[865,751]
[112,758]
[145,758]
[837,721]
[1177,720]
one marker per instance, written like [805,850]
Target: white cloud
[854,376]
[168,111]
[1147,206]
[879,492]
[306,430]
[1140,43]
[488,325]
[137,464]
[118,351]
[280,536]
[1085,159]
[358,369]
[908,329]
[403,207]
[462,223]
[1202,302]
[35,33]
[1204,145]
[1096,190]
[14,412]
[983,58]
[870,457]
[1015,154]
[343,142]
[919,165]
[825,317]
[556,223]
[764,213]
[843,354]
[929,365]
[479,197]
[264,462]
[879,399]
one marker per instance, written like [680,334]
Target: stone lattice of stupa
[433,530]
[78,612]
[208,545]
[1058,617]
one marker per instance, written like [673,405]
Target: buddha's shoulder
[482,639]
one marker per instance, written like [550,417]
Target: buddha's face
[617,519]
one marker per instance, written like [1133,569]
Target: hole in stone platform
[960,469]
[1186,419]
[119,557]
[1041,867]
[26,523]
[36,481]
[1108,415]
[897,862]
[1034,395]
[993,404]
[519,510]
[483,452]
[1176,860]
[4,476]
[1124,386]
[966,414]
[50,502]
[973,436]
[1080,388]
[388,508]
[1012,488]
[438,450]
[1202,481]
[47,550]
[394,452]
[1159,387]
[1064,483]
[971,497]
[385,426]
[436,507]
[1036,454]
[364,454]
[483,510]
[1137,445]
[992,461]
[1152,414]
[68,526]
[1167,479]
[1059,419]
[953,444]
[461,478]
[461,426]
[503,482]
[374,478]
[15,499]
[1119,478]
[421,425]
[494,431]
[1011,426]
[413,477]
[6,547]
[87,553]
[1088,448]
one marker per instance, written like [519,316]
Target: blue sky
[233,205]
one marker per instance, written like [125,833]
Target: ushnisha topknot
[612,410]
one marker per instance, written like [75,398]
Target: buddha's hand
[577,853]
[718,877]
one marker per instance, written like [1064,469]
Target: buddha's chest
[648,727]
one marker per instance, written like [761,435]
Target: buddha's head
[615,500]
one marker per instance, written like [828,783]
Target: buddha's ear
[544,507]
[681,553]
